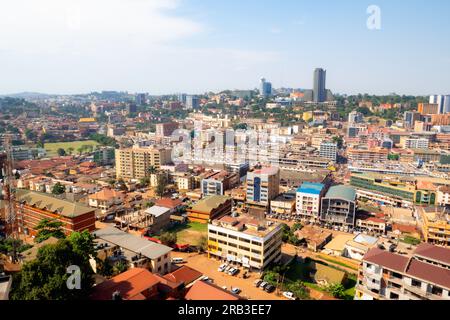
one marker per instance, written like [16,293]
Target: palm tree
[152,170]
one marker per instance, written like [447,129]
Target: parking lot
[209,267]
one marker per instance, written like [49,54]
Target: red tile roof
[168,203]
[184,274]
[206,291]
[403,228]
[435,253]
[387,259]
[131,284]
[430,273]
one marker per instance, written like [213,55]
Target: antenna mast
[8,193]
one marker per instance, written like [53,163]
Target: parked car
[235,290]
[269,288]
[289,295]
[222,267]
[263,285]
[228,268]
[258,282]
[177,260]
[233,272]
[230,271]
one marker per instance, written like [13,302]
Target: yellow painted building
[435,226]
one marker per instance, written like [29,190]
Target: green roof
[342,192]
[210,203]
[49,203]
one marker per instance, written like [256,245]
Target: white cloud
[40,25]
[63,46]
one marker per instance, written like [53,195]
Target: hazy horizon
[196,46]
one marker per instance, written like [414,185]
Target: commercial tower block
[320,91]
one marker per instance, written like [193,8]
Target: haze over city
[168,46]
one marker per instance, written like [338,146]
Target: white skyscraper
[443,101]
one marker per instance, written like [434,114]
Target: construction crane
[8,195]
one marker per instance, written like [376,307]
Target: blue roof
[311,188]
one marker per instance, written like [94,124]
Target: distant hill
[28,95]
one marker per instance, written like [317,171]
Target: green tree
[70,150]
[299,290]
[169,239]
[61,152]
[47,228]
[58,189]
[203,244]
[152,170]
[161,186]
[272,277]
[46,277]
[120,267]
[337,290]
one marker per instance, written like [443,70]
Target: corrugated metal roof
[311,188]
[342,192]
[130,242]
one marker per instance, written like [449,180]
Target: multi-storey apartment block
[246,241]
[134,163]
[389,276]
[338,207]
[435,226]
[263,185]
[216,183]
[328,150]
[308,200]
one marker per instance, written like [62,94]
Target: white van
[177,260]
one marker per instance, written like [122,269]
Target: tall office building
[192,102]
[328,150]
[141,99]
[263,185]
[320,91]
[265,88]
[355,117]
[443,101]
[182,98]
[410,119]
[134,163]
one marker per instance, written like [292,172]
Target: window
[396,275]
[436,291]
[394,296]
[416,283]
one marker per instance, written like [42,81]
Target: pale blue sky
[165,46]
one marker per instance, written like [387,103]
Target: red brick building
[33,207]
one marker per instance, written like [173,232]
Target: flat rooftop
[247,225]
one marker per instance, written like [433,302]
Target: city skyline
[191,46]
